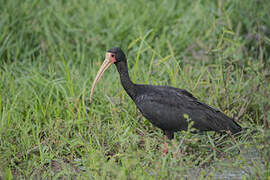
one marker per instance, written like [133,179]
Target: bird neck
[127,84]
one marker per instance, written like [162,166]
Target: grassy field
[50,52]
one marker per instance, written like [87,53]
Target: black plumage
[167,107]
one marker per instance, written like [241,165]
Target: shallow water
[220,170]
[250,156]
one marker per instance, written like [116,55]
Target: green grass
[50,52]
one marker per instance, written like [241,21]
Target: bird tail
[242,131]
[235,128]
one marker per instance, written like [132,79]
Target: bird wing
[169,108]
[165,106]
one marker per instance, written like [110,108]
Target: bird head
[116,54]
[113,56]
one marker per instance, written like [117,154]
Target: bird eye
[112,55]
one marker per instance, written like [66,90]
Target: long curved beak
[107,62]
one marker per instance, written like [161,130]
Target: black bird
[167,107]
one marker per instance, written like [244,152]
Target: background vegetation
[50,52]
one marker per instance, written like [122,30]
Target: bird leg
[165,147]
[168,135]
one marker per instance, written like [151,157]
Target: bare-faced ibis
[167,107]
